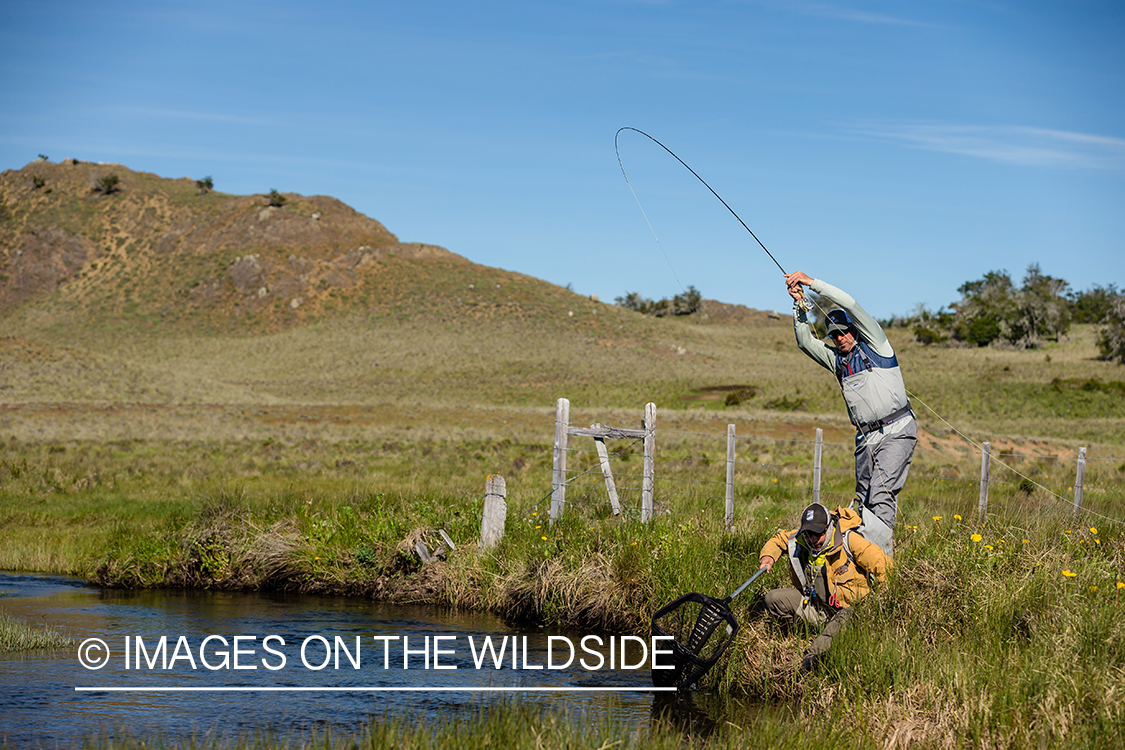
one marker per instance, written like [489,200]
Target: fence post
[495,511]
[610,485]
[729,516]
[647,481]
[558,482]
[985,454]
[1079,479]
[818,450]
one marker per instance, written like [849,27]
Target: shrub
[740,396]
[785,403]
[275,199]
[927,336]
[682,304]
[1111,337]
[1092,305]
[37,182]
[205,185]
[107,184]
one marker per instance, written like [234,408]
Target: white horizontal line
[245,689]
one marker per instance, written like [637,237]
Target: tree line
[994,311]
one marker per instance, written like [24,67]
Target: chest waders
[875,397]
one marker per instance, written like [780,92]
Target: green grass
[1012,638]
[966,645]
[17,635]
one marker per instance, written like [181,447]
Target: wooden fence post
[985,455]
[818,449]
[610,485]
[495,512]
[648,480]
[728,517]
[558,482]
[1079,479]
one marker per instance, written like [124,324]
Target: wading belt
[879,424]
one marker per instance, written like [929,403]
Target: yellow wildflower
[1025,541]
[543,538]
[956,518]
[1093,530]
[937,518]
[1070,574]
[534,513]
[1120,585]
[988,547]
[976,537]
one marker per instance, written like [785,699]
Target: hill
[162,253]
[194,304]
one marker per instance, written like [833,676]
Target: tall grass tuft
[17,635]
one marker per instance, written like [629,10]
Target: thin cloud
[858,16]
[1039,147]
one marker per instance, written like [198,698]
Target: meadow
[313,459]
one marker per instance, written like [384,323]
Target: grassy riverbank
[1008,633]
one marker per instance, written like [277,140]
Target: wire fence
[714,469]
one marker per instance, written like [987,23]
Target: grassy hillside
[157,294]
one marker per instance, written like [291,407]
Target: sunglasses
[812,536]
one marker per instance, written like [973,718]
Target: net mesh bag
[701,628]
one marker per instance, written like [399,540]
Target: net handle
[745,583]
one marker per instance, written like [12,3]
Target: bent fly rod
[617,148]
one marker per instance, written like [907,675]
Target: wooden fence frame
[600,433]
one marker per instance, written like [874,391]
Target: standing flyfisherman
[865,364]
[829,564]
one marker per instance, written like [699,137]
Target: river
[175,664]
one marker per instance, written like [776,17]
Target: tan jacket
[846,579]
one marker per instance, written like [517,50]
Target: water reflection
[679,712]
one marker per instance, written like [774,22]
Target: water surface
[40,705]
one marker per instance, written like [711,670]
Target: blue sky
[894,149]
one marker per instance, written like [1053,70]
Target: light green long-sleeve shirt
[825,355]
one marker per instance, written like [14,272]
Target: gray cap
[814,518]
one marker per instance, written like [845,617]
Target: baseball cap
[814,518]
[838,321]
